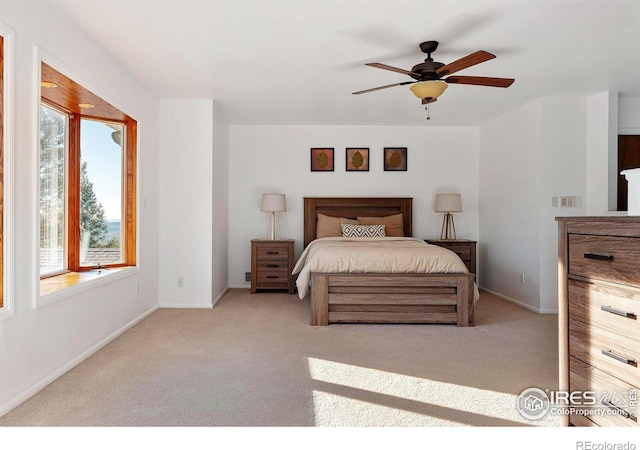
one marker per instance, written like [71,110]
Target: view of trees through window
[101,177]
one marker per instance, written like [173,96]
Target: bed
[381,297]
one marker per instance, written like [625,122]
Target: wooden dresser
[599,330]
[271,264]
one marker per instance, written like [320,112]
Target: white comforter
[374,255]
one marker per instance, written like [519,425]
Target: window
[87,180]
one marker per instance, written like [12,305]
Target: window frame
[6,172]
[64,269]
[65,98]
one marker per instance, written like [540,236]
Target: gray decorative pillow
[349,230]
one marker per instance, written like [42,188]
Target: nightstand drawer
[273,252]
[465,249]
[270,277]
[463,252]
[606,258]
[272,265]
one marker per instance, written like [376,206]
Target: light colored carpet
[253,360]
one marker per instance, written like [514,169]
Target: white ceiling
[297,62]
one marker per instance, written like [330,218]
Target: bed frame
[379,297]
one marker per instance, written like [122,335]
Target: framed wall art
[357,160]
[395,158]
[322,160]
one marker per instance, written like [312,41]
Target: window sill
[68,284]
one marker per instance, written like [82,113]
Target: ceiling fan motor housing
[426,70]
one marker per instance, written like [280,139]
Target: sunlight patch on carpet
[347,395]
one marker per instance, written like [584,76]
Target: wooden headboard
[352,207]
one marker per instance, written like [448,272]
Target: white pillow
[349,230]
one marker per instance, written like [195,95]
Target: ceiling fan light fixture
[428,89]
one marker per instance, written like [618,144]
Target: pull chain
[428,114]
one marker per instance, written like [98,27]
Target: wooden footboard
[392,298]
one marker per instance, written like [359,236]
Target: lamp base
[448,231]
[272,234]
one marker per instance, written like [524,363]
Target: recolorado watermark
[535,403]
[589,445]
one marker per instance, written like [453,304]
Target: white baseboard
[518,302]
[217,299]
[186,305]
[35,388]
[196,305]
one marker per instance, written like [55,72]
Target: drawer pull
[618,312]
[598,257]
[619,411]
[622,359]
[272,265]
[273,253]
[273,276]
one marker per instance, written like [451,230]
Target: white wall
[39,344]
[220,231]
[186,202]
[563,130]
[528,157]
[629,115]
[276,159]
[510,175]
[602,157]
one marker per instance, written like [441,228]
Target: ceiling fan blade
[482,81]
[391,68]
[468,61]
[383,87]
[429,100]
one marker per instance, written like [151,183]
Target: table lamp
[447,204]
[273,203]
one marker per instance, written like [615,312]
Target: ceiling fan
[429,83]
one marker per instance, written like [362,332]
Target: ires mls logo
[535,403]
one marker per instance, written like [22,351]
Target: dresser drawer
[272,252]
[605,350]
[614,310]
[612,395]
[607,258]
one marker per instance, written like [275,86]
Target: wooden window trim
[67,96]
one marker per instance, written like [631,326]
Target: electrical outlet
[180,282]
[522,278]
[247,276]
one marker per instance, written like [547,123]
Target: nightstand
[271,264]
[464,248]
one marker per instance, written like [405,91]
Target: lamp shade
[428,89]
[448,203]
[273,203]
